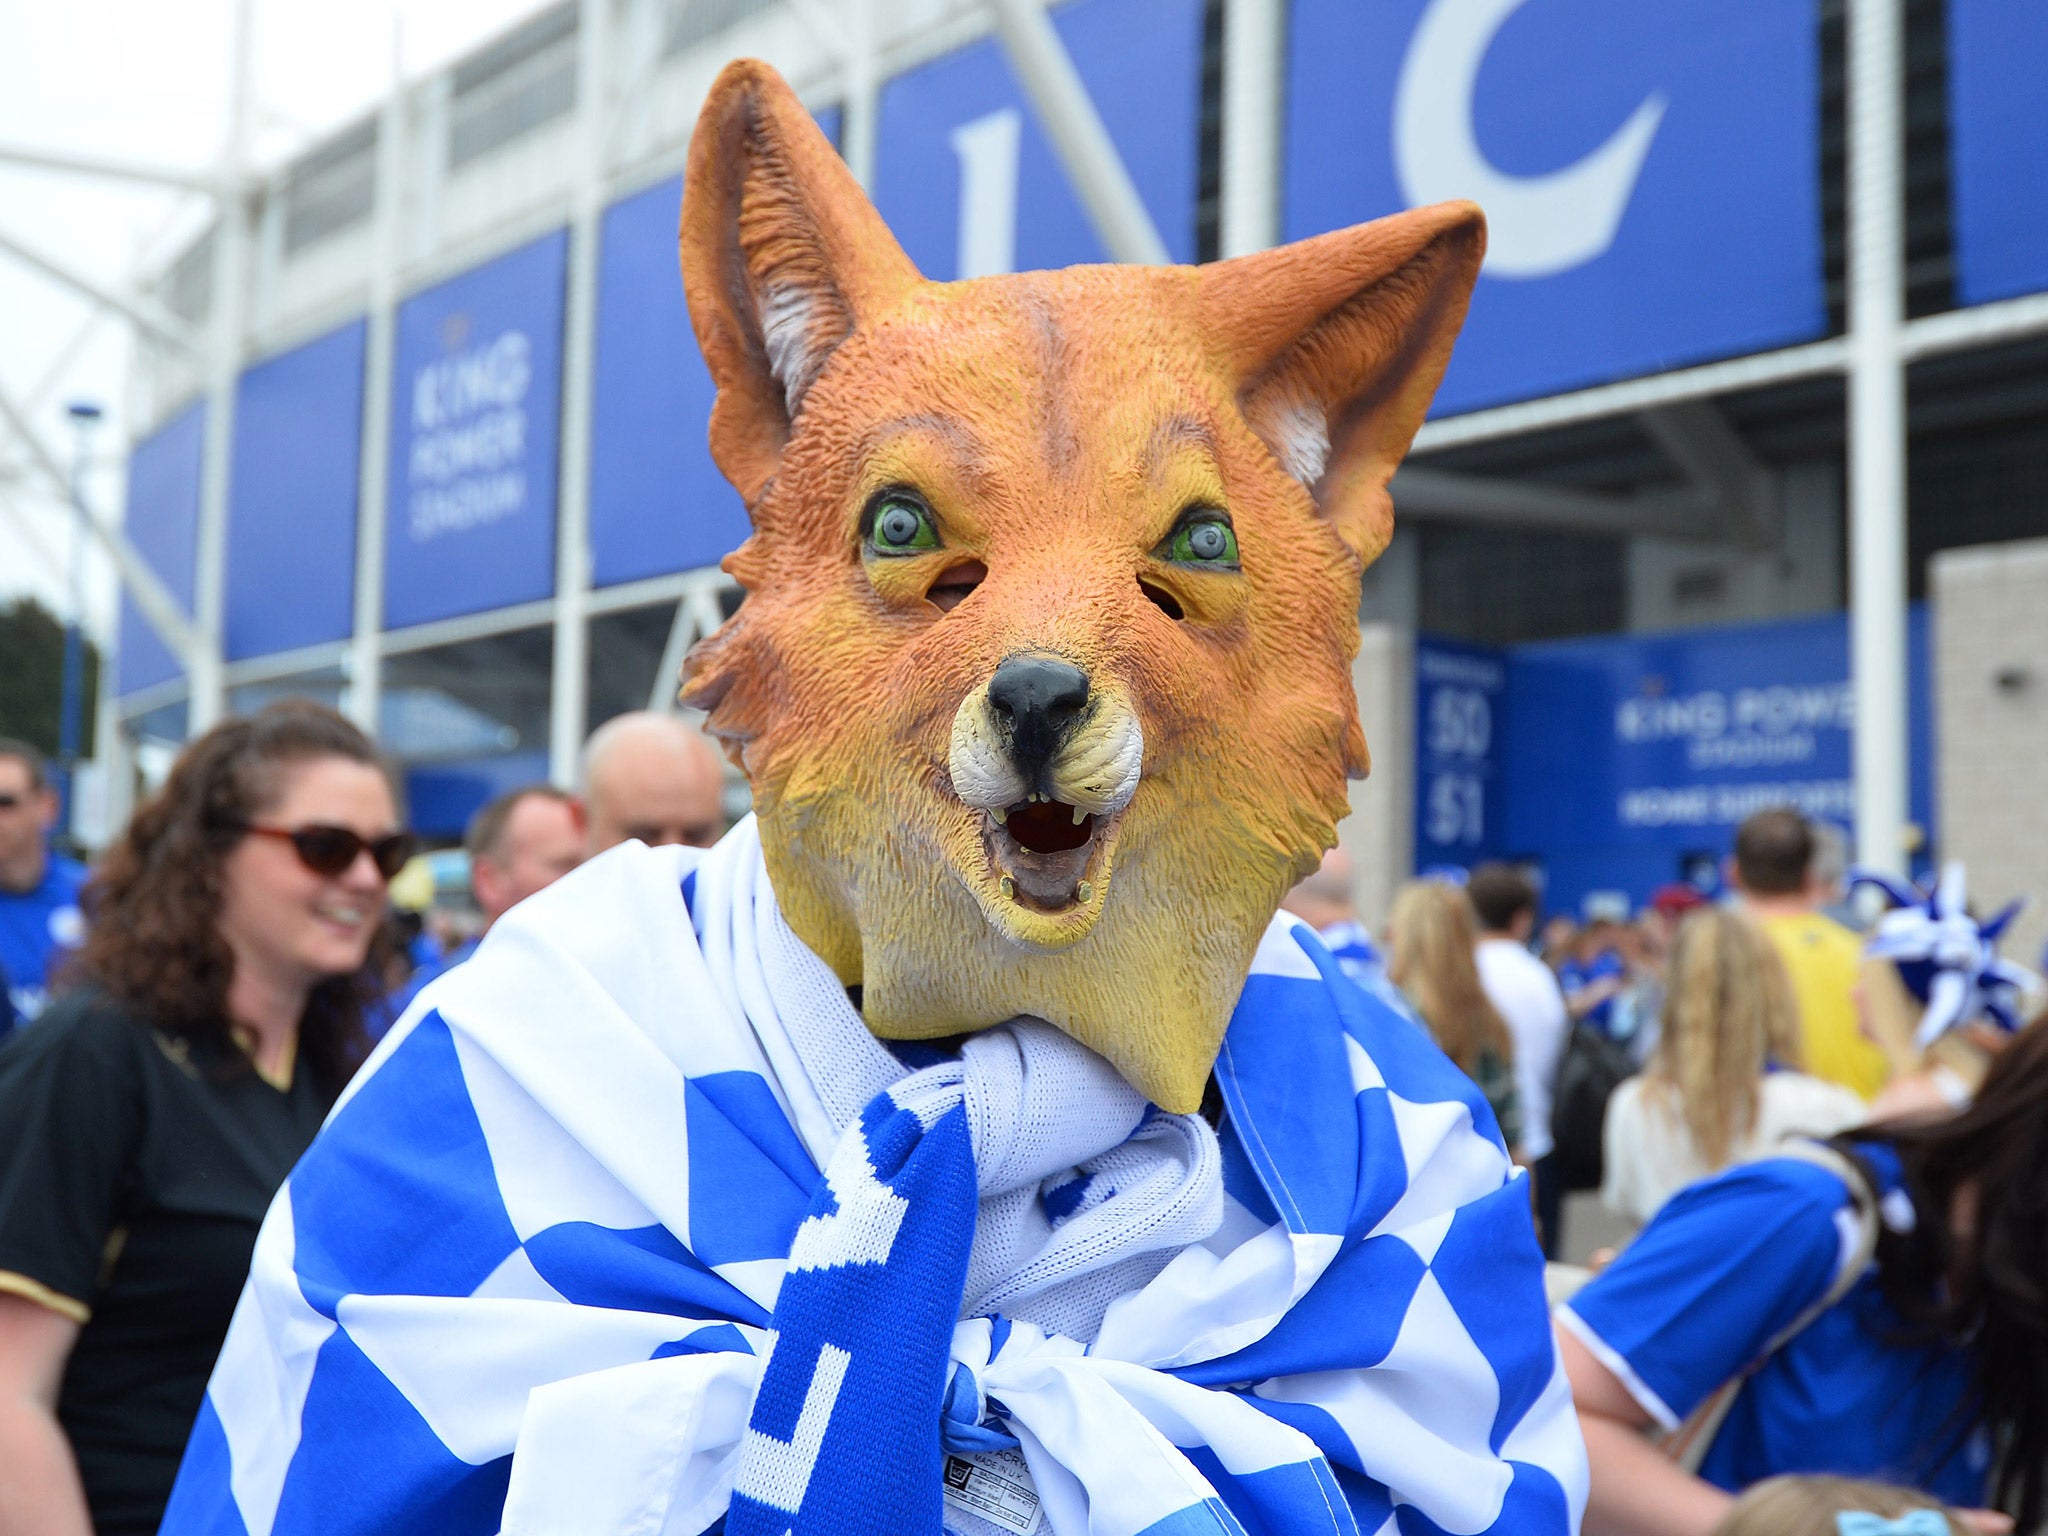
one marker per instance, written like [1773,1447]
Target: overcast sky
[147,80]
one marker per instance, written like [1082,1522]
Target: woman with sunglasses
[147,1119]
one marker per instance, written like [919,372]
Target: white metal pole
[150,593]
[1254,54]
[73,164]
[143,313]
[863,93]
[570,693]
[1877,428]
[1067,114]
[366,653]
[208,695]
[110,748]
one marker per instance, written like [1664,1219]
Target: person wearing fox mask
[962,1144]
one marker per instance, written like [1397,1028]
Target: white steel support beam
[1877,428]
[373,485]
[1067,114]
[110,745]
[75,164]
[1985,325]
[857,121]
[150,317]
[59,367]
[231,272]
[569,694]
[147,588]
[1699,439]
[1254,56]
[1815,359]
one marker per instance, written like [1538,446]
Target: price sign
[1458,698]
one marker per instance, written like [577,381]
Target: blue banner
[441,797]
[1998,134]
[1459,694]
[292,497]
[163,525]
[966,177]
[657,501]
[475,424]
[1650,173]
[1634,756]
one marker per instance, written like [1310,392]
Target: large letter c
[1537,226]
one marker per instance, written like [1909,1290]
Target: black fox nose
[1037,699]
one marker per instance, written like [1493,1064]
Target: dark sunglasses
[330,851]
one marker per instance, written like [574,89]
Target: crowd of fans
[1840,1255]
[1839,1260]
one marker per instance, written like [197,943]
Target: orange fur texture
[1057,428]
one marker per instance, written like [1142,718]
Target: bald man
[653,777]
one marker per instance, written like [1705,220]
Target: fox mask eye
[1204,539]
[899,523]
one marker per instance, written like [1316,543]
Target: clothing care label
[995,1485]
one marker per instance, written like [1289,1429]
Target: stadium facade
[1762,331]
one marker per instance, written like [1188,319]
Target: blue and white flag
[1946,957]
[631,1226]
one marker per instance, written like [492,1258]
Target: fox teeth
[1079,815]
[1001,815]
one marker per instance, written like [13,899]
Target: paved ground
[1588,1225]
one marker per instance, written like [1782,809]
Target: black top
[134,1172]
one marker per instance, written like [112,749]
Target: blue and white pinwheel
[1945,957]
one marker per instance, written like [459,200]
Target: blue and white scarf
[632,1227]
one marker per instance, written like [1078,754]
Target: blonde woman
[1723,1084]
[1431,937]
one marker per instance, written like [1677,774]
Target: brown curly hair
[154,903]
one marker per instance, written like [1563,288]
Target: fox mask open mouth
[1043,677]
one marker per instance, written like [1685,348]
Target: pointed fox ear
[782,255]
[1339,342]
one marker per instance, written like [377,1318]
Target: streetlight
[85,415]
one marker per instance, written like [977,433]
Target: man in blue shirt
[39,918]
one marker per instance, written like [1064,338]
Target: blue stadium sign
[968,180]
[657,501]
[1637,755]
[1460,694]
[292,497]
[163,524]
[1998,129]
[476,416]
[1651,173]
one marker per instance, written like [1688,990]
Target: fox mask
[1043,680]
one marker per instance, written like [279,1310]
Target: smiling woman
[216,1012]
